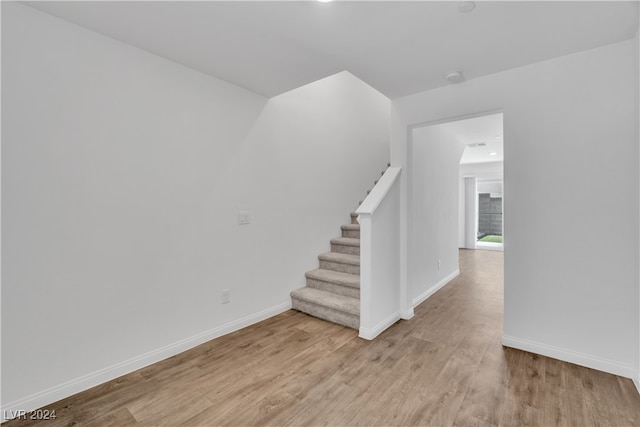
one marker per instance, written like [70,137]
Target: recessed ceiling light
[454,77]
[493,153]
[466,6]
[325,1]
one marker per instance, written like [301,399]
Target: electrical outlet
[226,296]
[438,264]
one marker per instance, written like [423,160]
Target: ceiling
[485,130]
[397,47]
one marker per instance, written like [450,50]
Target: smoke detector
[466,6]
[454,77]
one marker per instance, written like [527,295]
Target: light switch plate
[243,217]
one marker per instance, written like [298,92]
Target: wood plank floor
[445,367]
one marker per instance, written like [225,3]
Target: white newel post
[365,274]
[380,258]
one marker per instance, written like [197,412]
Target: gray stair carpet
[327,305]
[346,245]
[351,230]
[354,216]
[343,263]
[333,290]
[335,282]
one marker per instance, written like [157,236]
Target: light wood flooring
[444,367]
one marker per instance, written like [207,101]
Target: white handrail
[377,194]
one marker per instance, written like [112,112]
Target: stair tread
[347,241]
[331,276]
[353,215]
[330,300]
[350,227]
[340,258]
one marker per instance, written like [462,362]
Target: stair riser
[343,268]
[335,288]
[354,234]
[354,220]
[345,249]
[334,316]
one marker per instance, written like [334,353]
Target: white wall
[637,377]
[483,171]
[122,177]
[569,130]
[433,208]
[1,275]
[489,171]
[490,187]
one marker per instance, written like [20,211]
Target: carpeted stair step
[343,263]
[335,282]
[351,230]
[345,245]
[326,305]
[354,218]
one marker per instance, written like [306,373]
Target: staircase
[333,290]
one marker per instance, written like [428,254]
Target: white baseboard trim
[407,315]
[432,290]
[489,248]
[636,380]
[85,382]
[371,333]
[582,359]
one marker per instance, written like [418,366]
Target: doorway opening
[481,200]
[447,160]
[489,235]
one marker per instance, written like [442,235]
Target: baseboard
[582,359]
[432,290]
[407,315]
[69,388]
[371,333]
[489,248]
[636,380]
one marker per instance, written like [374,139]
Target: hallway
[446,366]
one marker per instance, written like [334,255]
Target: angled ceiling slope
[397,47]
